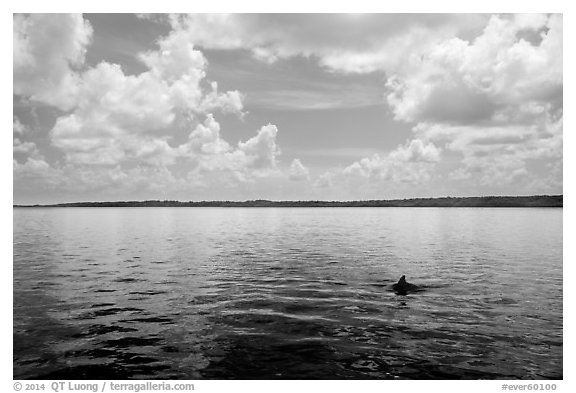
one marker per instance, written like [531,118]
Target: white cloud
[122,118]
[416,151]
[495,100]
[499,154]
[175,60]
[113,117]
[409,163]
[326,180]
[485,93]
[480,86]
[68,180]
[36,175]
[205,139]
[228,102]
[489,79]
[262,150]
[341,42]
[117,118]
[48,48]
[18,127]
[119,129]
[298,171]
[255,157]
[20,146]
[28,148]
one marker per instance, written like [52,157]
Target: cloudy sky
[285,106]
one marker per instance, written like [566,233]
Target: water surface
[189,293]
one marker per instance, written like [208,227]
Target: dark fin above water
[402,287]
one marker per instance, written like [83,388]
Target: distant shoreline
[485,201]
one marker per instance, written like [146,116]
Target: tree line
[482,201]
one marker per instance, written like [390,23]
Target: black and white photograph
[287,196]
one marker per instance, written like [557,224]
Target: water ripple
[287,294]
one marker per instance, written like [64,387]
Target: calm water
[188,293]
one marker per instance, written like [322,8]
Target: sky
[286,106]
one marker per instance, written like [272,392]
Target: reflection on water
[189,293]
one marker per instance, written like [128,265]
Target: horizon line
[285,201]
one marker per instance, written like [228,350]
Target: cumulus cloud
[416,151]
[343,42]
[18,127]
[211,154]
[176,59]
[411,163]
[326,180]
[112,110]
[495,100]
[500,154]
[206,158]
[498,77]
[483,80]
[298,171]
[483,91]
[28,148]
[48,49]
[125,117]
[228,102]
[262,150]
[111,117]
[35,175]
[205,139]
[510,78]
[119,128]
[20,146]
